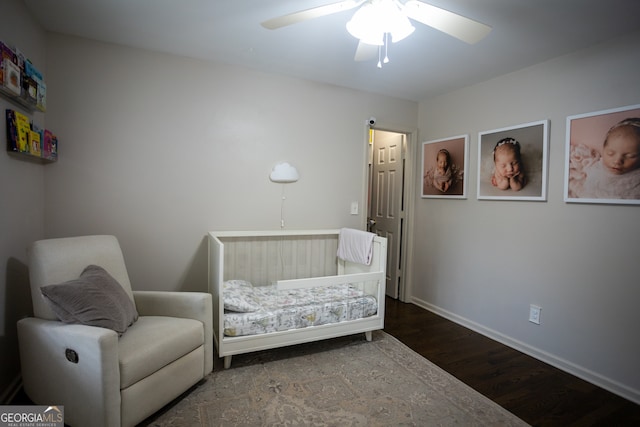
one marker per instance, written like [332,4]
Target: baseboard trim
[558,362]
[10,392]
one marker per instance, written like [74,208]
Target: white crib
[291,260]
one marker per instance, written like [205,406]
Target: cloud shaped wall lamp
[284,173]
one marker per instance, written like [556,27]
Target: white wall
[483,262]
[21,199]
[159,149]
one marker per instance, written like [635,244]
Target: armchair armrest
[92,385]
[189,305]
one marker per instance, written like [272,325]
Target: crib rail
[314,282]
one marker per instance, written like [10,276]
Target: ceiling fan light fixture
[373,20]
[401,29]
[365,25]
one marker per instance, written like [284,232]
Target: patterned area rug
[339,382]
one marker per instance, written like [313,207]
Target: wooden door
[386,200]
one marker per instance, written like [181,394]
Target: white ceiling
[425,64]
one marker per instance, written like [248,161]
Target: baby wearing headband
[508,169]
[616,175]
[442,176]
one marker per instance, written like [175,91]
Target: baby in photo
[508,172]
[442,176]
[616,175]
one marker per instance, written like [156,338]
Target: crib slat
[265,259]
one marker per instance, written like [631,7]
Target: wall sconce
[284,173]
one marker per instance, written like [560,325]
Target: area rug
[339,382]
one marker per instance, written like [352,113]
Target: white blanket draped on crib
[355,246]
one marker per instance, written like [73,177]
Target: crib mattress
[299,308]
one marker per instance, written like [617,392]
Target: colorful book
[46,144]
[11,79]
[6,53]
[30,90]
[41,103]
[34,143]
[24,127]
[54,147]
[49,145]
[12,131]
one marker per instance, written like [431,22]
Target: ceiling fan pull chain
[386,47]
[379,55]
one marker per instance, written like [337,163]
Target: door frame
[410,168]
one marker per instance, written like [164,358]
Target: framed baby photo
[602,158]
[512,162]
[444,167]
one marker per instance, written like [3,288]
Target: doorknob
[371,224]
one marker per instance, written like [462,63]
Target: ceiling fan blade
[365,52]
[316,12]
[455,25]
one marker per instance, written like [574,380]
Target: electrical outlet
[534,314]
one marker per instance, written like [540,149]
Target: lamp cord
[282,208]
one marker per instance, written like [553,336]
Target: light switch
[354,208]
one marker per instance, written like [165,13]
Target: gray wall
[21,200]
[483,262]
[159,149]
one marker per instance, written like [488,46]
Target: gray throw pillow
[94,299]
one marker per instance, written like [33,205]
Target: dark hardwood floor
[536,392]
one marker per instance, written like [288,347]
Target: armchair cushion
[155,342]
[94,299]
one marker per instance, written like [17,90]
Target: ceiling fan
[458,26]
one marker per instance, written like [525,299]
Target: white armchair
[101,378]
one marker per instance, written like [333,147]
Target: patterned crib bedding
[252,310]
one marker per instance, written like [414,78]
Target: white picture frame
[586,177]
[531,141]
[452,184]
